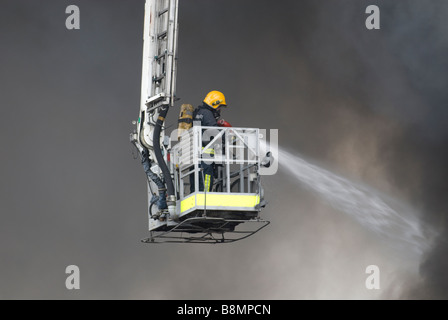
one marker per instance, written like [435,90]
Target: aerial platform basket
[230,211]
[207,230]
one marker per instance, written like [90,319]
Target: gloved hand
[224,123]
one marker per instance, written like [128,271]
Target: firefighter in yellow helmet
[210,111]
[208,115]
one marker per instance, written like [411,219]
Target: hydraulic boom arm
[158,84]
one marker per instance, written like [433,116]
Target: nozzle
[267,160]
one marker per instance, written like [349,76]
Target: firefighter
[208,115]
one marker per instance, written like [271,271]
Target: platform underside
[207,230]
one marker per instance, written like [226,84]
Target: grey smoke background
[369,105]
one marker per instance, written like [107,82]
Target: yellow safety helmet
[215,99]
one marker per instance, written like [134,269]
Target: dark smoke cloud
[368,104]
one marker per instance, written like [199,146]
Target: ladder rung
[157,79]
[160,57]
[162,34]
[163,11]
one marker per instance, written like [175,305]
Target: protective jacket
[207,116]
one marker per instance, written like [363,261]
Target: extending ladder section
[160,54]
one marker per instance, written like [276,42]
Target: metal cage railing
[234,153]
